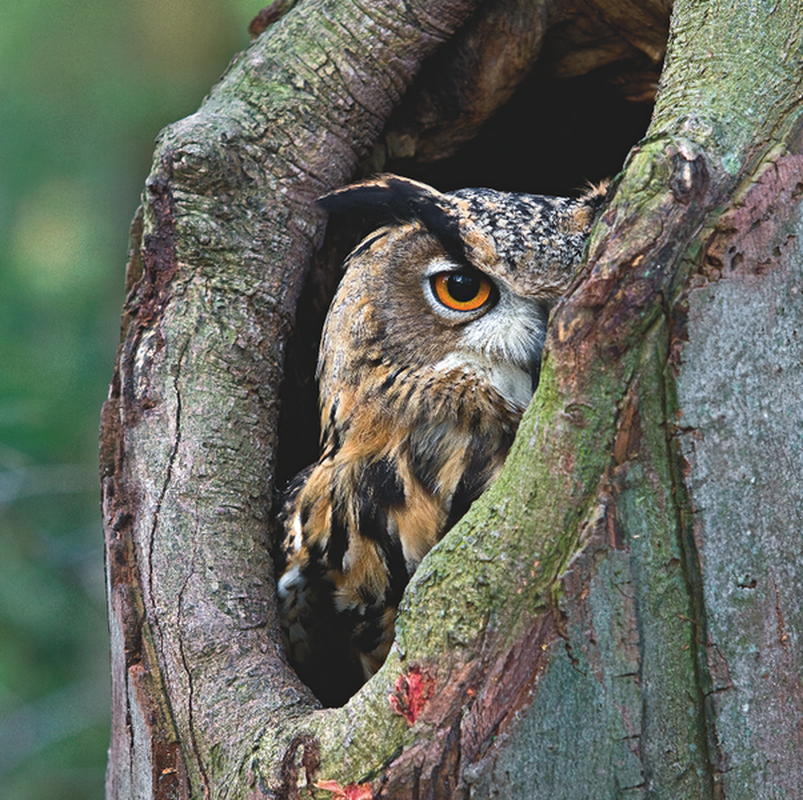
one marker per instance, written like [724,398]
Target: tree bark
[620,615]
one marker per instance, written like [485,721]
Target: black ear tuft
[390,198]
[386,198]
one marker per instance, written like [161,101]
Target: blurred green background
[84,89]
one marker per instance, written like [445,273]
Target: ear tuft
[389,199]
[385,198]
[597,193]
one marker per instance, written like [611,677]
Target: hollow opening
[553,137]
[581,133]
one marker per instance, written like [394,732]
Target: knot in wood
[688,172]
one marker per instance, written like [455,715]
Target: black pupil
[463,286]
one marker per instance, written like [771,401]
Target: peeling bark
[620,615]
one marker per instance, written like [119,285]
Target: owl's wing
[337,623]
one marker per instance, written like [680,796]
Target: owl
[430,353]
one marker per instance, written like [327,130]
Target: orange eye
[462,291]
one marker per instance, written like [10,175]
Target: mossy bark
[620,615]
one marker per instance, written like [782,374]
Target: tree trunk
[621,614]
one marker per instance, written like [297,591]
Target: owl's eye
[462,291]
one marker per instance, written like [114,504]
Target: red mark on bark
[411,694]
[351,791]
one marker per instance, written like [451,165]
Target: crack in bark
[154,620]
[185,663]
[445,777]
[168,469]
[289,769]
[690,562]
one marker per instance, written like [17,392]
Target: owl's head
[459,281]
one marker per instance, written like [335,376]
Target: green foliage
[86,88]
